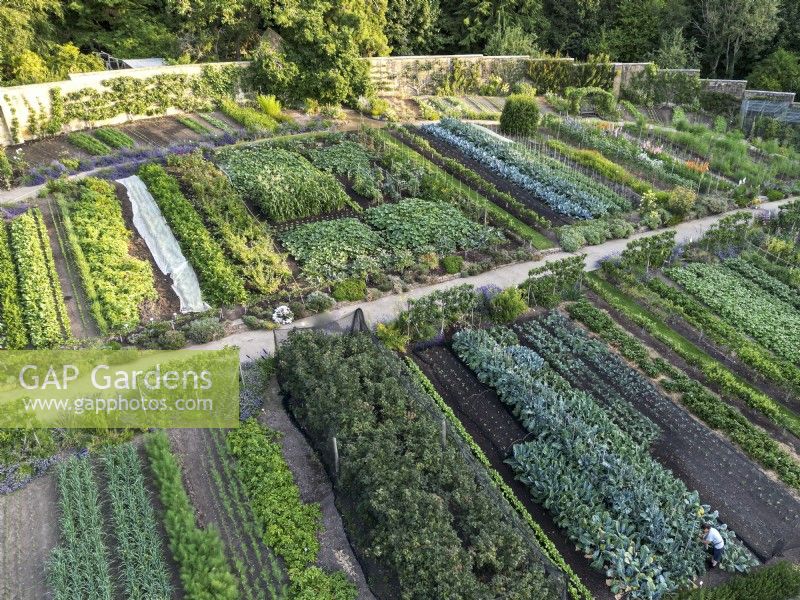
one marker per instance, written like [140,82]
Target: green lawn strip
[714,412]
[575,587]
[713,370]
[511,222]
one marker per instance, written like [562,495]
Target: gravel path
[255,343]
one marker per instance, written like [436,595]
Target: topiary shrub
[349,290]
[520,115]
[207,329]
[507,305]
[452,264]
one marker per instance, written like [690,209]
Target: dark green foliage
[557,75]
[452,264]
[399,487]
[349,290]
[520,115]
[779,72]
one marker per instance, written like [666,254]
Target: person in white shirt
[713,542]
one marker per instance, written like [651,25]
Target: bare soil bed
[42,152]
[763,512]
[28,532]
[162,131]
[496,430]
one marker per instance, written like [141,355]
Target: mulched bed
[762,511]
[526,197]
[495,430]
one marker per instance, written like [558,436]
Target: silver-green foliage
[634,518]
[78,568]
[144,571]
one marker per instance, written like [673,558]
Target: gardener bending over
[713,541]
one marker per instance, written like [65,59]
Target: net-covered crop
[283,184]
[634,518]
[412,505]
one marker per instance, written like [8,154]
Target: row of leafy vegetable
[560,187]
[32,309]
[576,463]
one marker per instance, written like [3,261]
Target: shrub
[207,329]
[171,340]
[452,264]
[392,336]
[507,305]
[571,239]
[520,115]
[681,200]
[350,290]
[6,171]
[318,301]
[773,195]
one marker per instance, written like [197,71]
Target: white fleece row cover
[152,226]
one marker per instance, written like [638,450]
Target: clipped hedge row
[575,586]
[218,279]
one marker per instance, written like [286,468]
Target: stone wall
[422,75]
[17,102]
[732,87]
